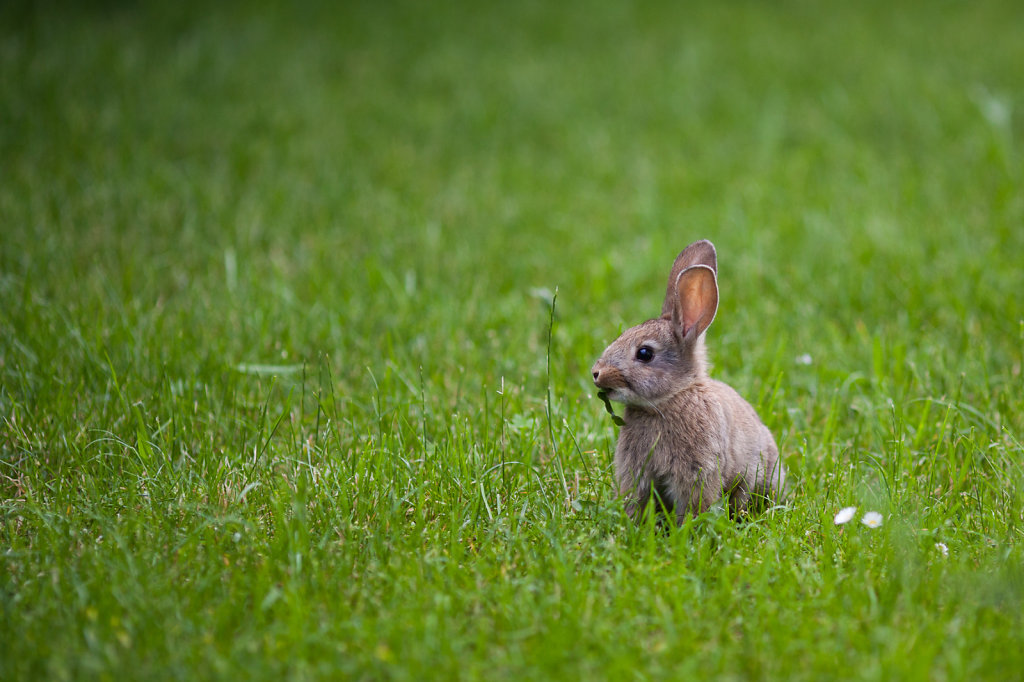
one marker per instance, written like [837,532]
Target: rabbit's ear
[697,253]
[696,301]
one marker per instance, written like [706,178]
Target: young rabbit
[687,439]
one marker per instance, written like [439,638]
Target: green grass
[277,393]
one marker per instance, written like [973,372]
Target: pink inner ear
[698,299]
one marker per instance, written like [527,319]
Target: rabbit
[686,440]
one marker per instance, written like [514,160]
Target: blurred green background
[284,272]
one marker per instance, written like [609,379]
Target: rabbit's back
[750,456]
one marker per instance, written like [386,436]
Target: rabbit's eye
[644,354]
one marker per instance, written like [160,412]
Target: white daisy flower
[844,515]
[941,546]
[804,359]
[872,519]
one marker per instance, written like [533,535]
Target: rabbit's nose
[607,376]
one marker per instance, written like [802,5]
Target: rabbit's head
[653,361]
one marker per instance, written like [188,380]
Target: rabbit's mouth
[622,394]
[618,395]
[630,399]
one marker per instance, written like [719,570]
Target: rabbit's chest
[664,447]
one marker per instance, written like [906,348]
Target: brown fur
[687,439]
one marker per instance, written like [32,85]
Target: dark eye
[644,354]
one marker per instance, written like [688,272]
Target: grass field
[298,304]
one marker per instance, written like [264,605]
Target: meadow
[298,304]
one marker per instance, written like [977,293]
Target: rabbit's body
[687,439]
[705,442]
